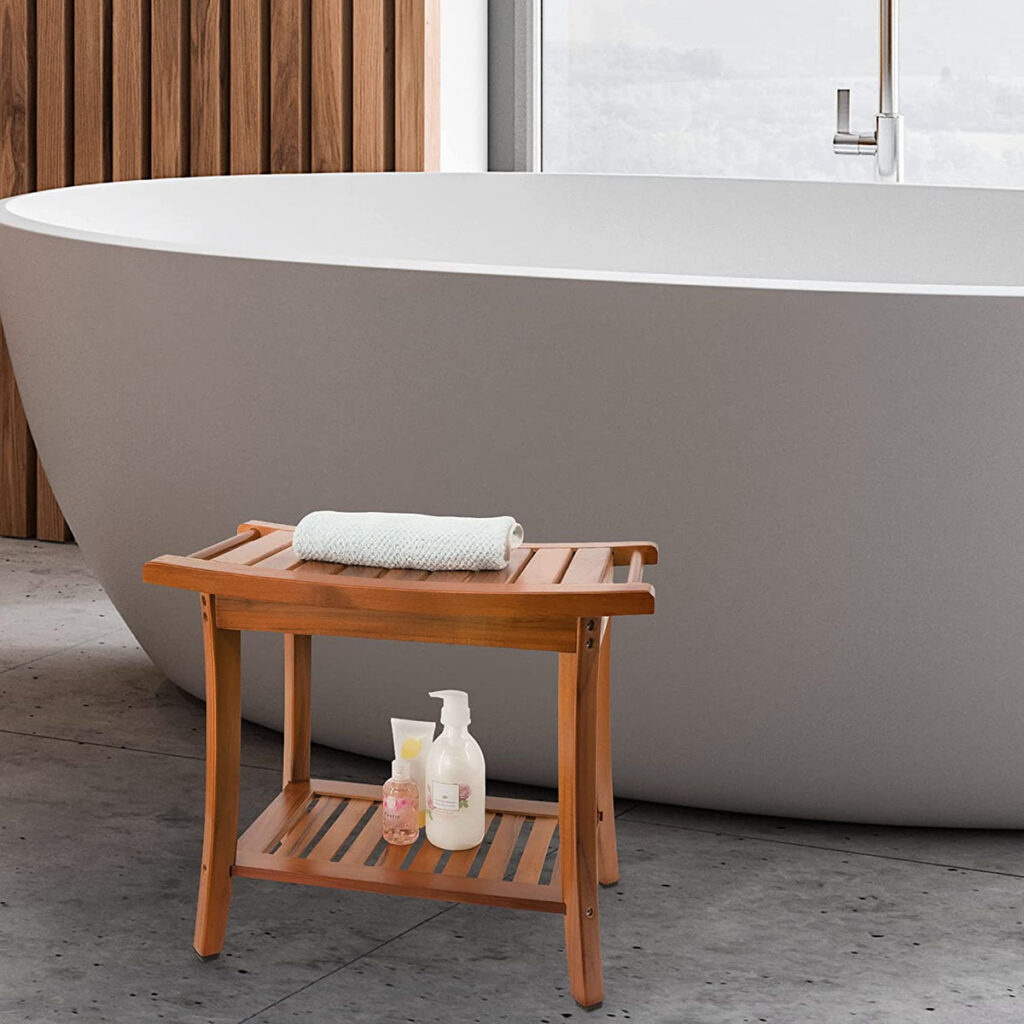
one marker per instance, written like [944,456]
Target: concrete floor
[717,918]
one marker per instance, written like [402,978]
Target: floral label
[445,799]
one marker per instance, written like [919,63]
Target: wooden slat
[341,829]
[289,87]
[622,551]
[535,852]
[170,63]
[417,85]
[53,93]
[277,818]
[286,559]
[331,85]
[519,558]
[256,550]
[226,545]
[209,87]
[369,572]
[302,834]
[547,566]
[50,522]
[131,83]
[427,858]
[17,456]
[311,570]
[53,148]
[460,861]
[373,80]
[404,574]
[250,86]
[17,97]
[364,843]
[393,857]
[502,846]
[92,161]
[17,174]
[341,875]
[588,565]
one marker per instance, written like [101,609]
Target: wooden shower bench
[536,855]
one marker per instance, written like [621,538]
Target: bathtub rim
[12,220]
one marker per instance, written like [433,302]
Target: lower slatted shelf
[329,834]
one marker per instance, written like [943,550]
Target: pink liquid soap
[401,806]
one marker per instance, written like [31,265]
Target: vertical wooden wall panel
[289,86]
[417,85]
[373,85]
[209,107]
[92,90]
[250,86]
[17,174]
[331,85]
[92,160]
[54,47]
[169,144]
[130,56]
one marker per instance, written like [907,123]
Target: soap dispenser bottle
[455,779]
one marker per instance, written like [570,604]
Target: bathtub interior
[848,235]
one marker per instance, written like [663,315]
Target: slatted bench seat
[535,855]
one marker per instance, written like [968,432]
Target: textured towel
[395,540]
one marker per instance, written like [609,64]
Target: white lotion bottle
[455,779]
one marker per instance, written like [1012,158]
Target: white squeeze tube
[455,779]
[412,744]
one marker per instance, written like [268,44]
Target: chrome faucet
[885,143]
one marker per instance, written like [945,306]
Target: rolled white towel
[394,540]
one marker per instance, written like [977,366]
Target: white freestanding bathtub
[811,395]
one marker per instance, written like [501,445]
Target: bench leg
[298,658]
[577,815]
[223,753]
[608,854]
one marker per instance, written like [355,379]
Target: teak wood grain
[170,120]
[331,85]
[130,55]
[17,174]
[250,86]
[289,86]
[209,87]
[417,85]
[373,85]
[93,73]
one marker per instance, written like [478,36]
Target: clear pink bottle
[401,812]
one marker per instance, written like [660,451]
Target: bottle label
[397,810]
[446,799]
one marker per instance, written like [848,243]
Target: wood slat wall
[111,90]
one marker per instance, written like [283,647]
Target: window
[747,88]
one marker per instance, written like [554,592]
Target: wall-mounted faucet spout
[885,143]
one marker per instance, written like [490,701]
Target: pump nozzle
[455,710]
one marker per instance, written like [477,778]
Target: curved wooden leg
[223,753]
[608,854]
[577,815]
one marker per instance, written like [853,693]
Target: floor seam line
[348,963]
[119,746]
[60,650]
[828,849]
